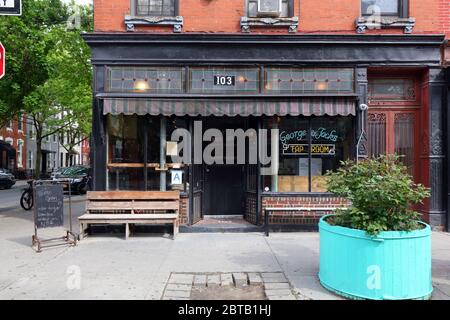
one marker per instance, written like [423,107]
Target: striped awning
[307,107]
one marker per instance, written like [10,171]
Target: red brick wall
[315,16]
[304,218]
[444,17]
[184,210]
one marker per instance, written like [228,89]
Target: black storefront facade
[313,89]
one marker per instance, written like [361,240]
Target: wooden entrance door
[395,131]
[224,190]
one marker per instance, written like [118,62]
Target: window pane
[404,138]
[153,152]
[387,7]
[253,8]
[303,80]
[155,8]
[332,142]
[145,80]
[293,173]
[377,134]
[224,80]
[125,152]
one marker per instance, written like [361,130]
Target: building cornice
[97,38]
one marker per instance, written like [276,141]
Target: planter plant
[377,248]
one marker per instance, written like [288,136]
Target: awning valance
[333,106]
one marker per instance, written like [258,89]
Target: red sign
[2,60]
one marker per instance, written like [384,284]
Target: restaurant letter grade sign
[11,7]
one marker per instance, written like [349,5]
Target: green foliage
[26,48]
[381,193]
[48,69]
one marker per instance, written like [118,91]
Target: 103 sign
[224,81]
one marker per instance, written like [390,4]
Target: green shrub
[381,193]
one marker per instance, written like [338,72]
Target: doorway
[224,184]
[396,131]
[224,190]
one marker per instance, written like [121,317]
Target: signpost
[11,7]
[2,60]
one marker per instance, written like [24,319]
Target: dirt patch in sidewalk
[253,292]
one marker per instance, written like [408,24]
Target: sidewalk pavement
[112,268]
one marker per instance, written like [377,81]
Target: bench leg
[175,229]
[83,228]
[127,231]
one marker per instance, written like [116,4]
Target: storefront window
[134,150]
[125,152]
[305,158]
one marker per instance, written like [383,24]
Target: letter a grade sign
[11,7]
[2,60]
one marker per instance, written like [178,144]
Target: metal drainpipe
[162,153]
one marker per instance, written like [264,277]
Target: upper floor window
[20,122]
[273,8]
[156,8]
[269,13]
[382,14]
[395,8]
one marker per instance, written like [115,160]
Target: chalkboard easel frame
[70,238]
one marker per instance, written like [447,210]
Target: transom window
[397,8]
[145,79]
[156,7]
[392,89]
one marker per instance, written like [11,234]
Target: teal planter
[395,265]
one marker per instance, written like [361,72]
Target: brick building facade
[299,66]
[14,133]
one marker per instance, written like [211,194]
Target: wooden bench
[130,208]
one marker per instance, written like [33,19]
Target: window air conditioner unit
[269,8]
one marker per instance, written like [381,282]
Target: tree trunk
[38,164]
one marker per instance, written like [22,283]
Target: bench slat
[128,221]
[128,205]
[133,195]
[127,216]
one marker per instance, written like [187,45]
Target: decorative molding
[367,23]
[176,22]
[247,23]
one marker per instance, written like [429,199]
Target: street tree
[27,46]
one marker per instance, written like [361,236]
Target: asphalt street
[10,205]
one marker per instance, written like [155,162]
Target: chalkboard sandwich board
[49,201]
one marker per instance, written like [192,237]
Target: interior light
[141,85]
[321,86]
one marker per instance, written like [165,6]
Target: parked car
[7,179]
[57,173]
[79,177]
